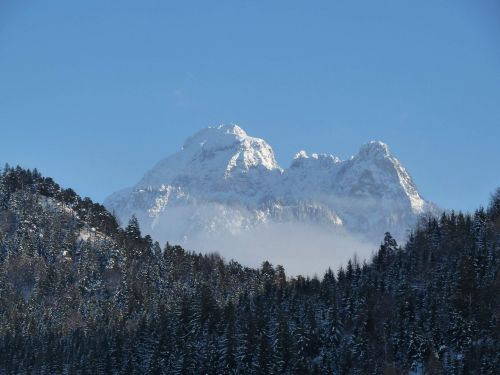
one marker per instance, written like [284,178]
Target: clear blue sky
[93,93]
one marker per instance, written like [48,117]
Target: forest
[80,294]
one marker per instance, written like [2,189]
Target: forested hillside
[80,295]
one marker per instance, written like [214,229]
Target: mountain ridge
[225,181]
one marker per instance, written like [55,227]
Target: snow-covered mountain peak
[374,149]
[225,181]
[212,139]
[216,137]
[211,158]
[232,145]
[232,129]
[301,155]
[328,158]
[374,173]
[303,160]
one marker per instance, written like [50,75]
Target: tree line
[81,295]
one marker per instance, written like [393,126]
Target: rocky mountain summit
[225,182]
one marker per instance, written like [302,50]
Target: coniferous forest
[81,295]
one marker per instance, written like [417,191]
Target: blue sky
[93,93]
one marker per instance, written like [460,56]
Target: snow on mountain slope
[222,159]
[224,183]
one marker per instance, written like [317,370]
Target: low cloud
[301,248]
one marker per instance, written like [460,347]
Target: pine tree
[133,230]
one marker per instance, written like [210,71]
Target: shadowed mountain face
[224,186]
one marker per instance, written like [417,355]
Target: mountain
[224,182]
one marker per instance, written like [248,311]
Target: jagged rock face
[226,182]
[217,157]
